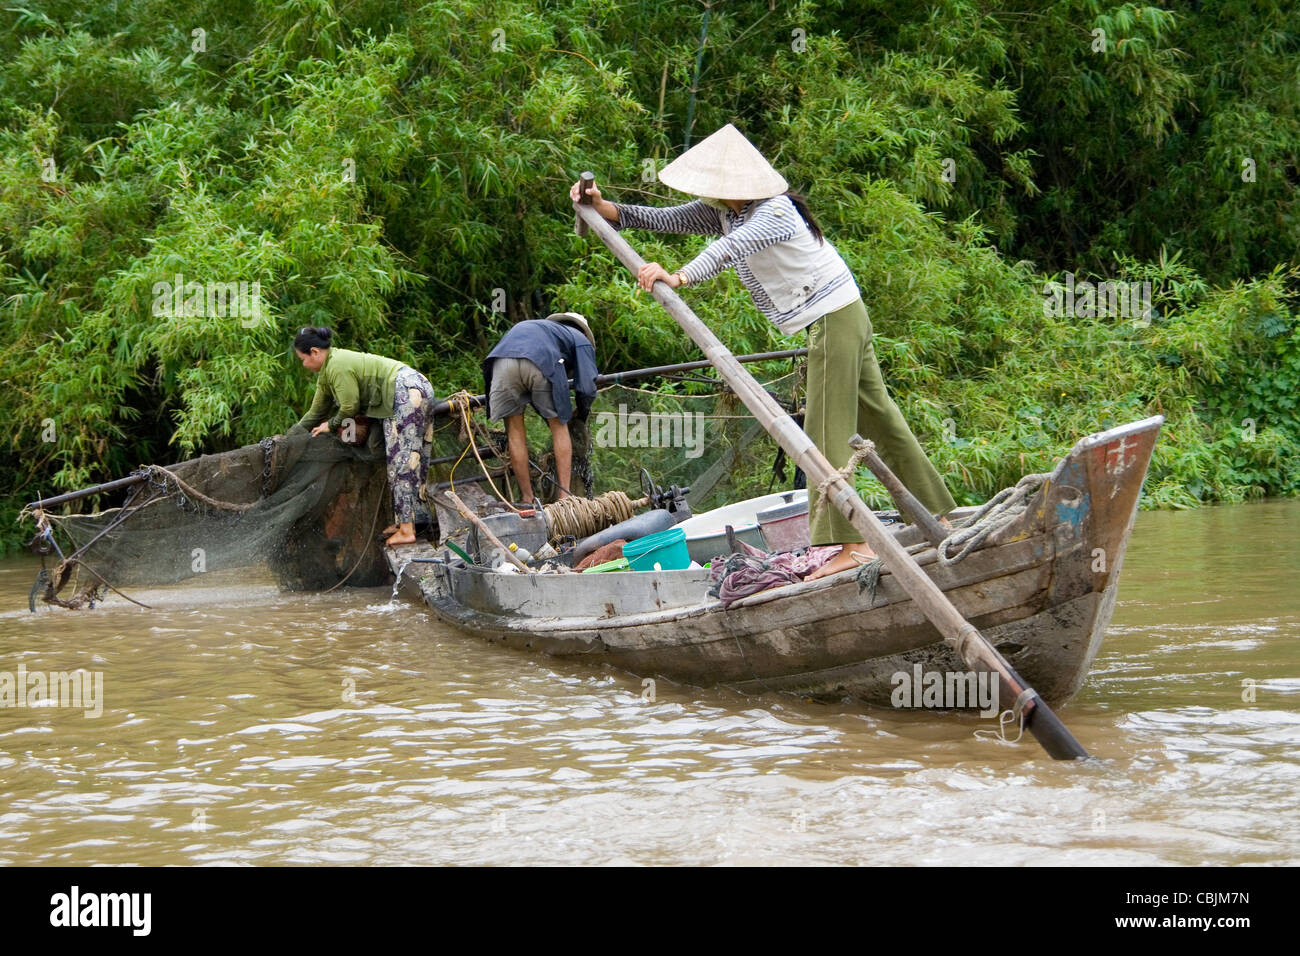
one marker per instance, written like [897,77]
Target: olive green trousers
[846,394]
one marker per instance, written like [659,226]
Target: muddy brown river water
[238,724]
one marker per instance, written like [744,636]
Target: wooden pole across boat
[906,501]
[615,378]
[956,631]
[484,530]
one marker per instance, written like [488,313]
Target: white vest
[792,272]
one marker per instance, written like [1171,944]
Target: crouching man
[532,365]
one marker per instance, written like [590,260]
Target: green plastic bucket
[662,551]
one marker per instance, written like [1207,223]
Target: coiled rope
[995,514]
[571,516]
[581,517]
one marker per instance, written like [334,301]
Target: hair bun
[312,337]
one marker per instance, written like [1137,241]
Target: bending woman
[353,384]
[798,280]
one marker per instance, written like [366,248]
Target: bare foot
[391,529]
[400,537]
[843,561]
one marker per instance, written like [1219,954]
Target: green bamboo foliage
[399,172]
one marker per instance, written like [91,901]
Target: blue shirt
[560,351]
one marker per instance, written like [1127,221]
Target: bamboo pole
[87,492]
[956,631]
[483,529]
[906,501]
[614,378]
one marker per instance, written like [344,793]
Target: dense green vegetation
[400,171]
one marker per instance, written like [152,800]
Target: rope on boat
[461,402]
[578,517]
[998,512]
[581,517]
[859,455]
[868,576]
[164,478]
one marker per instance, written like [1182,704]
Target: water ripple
[243,725]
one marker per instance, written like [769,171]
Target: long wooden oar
[957,632]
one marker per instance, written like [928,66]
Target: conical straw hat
[724,166]
[575,320]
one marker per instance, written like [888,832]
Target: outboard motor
[673,499]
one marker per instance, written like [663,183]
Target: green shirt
[352,384]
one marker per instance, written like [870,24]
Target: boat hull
[1041,589]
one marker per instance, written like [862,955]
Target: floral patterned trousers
[405,442]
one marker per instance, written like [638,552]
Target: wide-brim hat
[724,166]
[575,320]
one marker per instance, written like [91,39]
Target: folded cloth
[752,570]
[808,560]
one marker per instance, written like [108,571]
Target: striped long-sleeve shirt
[793,279]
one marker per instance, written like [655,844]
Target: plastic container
[631,529]
[706,533]
[528,532]
[663,551]
[706,547]
[785,527]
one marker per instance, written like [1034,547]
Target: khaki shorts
[517,382]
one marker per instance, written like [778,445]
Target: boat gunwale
[548,625]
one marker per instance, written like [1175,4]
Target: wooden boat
[1041,588]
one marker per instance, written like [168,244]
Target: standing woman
[798,280]
[356,384]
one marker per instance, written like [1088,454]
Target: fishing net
[698,436]
[310,509]
[691,432]
[307,508]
